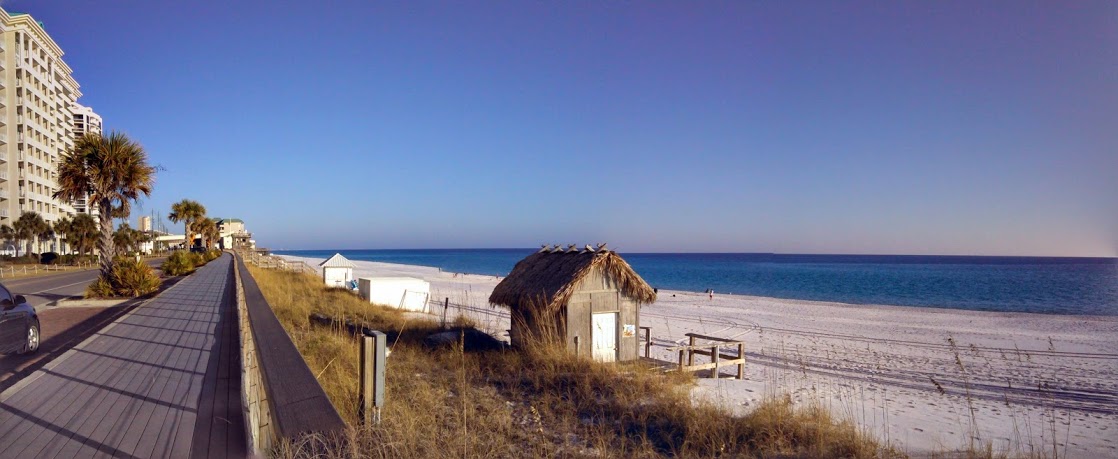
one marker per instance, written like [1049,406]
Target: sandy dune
[922,379]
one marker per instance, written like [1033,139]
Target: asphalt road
[48,290]
[44,290]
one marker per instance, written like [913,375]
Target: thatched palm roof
[549,278]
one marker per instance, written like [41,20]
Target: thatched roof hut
[581,286]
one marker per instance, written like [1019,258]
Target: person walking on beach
[711,291]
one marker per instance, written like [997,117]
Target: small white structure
[337,271]
[406,293]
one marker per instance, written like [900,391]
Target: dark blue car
[19,325]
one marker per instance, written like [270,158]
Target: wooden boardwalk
[161,381]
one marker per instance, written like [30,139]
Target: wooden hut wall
[598,294]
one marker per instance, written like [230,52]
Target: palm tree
[84,232]
[7,235]
[46,233]
[63,227]
[113,171]
[208,228]
[190,212]
[126,237]
[28,227]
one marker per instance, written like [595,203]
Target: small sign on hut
[337,271]
[587,298]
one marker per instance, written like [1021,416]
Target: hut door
[604,336]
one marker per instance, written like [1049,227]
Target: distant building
[85,121]
[232,234]
[144,223]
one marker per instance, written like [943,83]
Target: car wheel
[32,343]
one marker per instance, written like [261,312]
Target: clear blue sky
[830,127]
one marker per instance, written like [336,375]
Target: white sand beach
[923,379]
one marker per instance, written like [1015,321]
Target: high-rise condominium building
[86,121]
[36,95]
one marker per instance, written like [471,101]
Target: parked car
[19,325]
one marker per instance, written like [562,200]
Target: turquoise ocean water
[1079,286]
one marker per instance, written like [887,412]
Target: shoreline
[926,379]
[926,309]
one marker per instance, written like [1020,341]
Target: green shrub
[134,278]
[100,288]
[129,278]
[180,263]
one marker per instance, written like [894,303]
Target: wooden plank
[51,401]
[149,409]
[82,402]
[83,425]
[157,441]
[712,338]
[707,366]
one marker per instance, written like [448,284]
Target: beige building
[37,93]
[144,223]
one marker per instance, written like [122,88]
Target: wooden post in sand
[714,359]
[446,305]
[741,356]
[691,352]
[647,341]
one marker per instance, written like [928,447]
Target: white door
[604,335]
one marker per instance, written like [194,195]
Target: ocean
[1077,286]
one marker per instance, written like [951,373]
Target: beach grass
[451,402]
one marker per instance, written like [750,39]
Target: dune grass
[530,403]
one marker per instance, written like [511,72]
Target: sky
[968,128]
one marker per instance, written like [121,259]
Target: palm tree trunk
[105,243]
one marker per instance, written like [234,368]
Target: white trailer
[407,293]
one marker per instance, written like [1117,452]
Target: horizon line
[721,253]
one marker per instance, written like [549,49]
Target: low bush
[180,263]
[129,278]
[48,258]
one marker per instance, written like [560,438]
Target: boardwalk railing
[274,262]
[713,350]
[281,396]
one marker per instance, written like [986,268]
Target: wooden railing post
[647,341]
[714,358]
[741,357]
[446,305]
[691,352]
